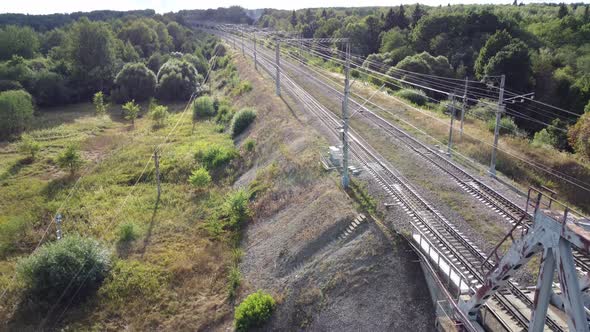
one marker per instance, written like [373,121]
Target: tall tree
[293,19]
[91,53]
[562,10]
[402,20]
[389,21]
[16,40]
[417,14]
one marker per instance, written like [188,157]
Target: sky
[163,6]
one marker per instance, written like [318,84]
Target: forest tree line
[541,48]
[127,58]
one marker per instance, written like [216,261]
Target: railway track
[510,211]
[440,233]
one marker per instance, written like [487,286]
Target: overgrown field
[173,260]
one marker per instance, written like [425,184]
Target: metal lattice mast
[450,145]
[278,64]
[255,60]
[464,105]
[345,118]
[497,128]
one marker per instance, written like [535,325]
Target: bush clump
[417,97]
[128,232]
[16,112]
[65,266]
[200,178]
[203,107]
[254,311]
[242,120]
[216,156]
[507,126]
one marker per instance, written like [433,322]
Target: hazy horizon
[36,7]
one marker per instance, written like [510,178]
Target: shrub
[543,138]
[219,50]
[242,87]
[132,280]
[200,178]
[255,310]
[128,232]
[224,113]
[242,120]
[16,112]
[216,156]
[236,207]
[99,103]
[203,107]
[131,111]
[250,145]
[579,134]
[49,89]
[483,110]
[417,97]
[12,230]
[507,126]
[135,81]
[70,159]
[159,114]
[29,146]
[78,262]
[177,80]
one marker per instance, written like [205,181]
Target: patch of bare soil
[298,248]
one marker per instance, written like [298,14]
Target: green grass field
[116,188]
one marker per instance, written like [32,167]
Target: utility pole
[58,226]
[345,177]
[255,63]
[243,53]
[278,63]
[497,128]
[157,163]
[450,146]
[463,106]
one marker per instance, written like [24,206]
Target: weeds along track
[441,234]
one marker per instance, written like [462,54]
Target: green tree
[579,134]
[142,36]
[70,159]
[91,54]
[164,38]
[159,114]
[99,103]
[28,145]
[513,61]
[177,80]
[176,31]
[563,11]
[49,88]
[135,81]
[131,111]
[393,40]
[293,19]
[14,40]
[417,14]
[200,178]
[16,112]
[495,44]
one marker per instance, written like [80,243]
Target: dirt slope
[293,248]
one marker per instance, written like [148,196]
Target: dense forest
[541,48]
[127,57]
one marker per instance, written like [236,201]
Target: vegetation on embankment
[172,259]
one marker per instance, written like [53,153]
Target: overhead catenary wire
[557,174]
